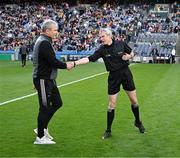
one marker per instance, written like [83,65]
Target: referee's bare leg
[110,115]
[135,109]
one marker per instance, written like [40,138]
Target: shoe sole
[37,143]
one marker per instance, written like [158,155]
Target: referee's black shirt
[112,55]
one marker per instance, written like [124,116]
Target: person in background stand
[173,54]
[154,54]
[23,51]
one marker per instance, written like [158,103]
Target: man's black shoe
[140,126]
[107,134]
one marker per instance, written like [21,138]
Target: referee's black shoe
[107,134]
[140,126]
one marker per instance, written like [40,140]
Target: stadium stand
[146,26]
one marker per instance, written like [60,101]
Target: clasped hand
[126,56]
[70,65]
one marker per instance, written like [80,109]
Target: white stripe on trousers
[43,92]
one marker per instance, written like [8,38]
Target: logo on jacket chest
[113,53]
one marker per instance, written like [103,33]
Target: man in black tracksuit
[116,57]
[44,75]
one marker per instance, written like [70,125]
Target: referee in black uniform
[44,75]
[116,57]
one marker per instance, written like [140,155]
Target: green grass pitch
[78,126]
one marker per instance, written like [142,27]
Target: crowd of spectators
[78,25]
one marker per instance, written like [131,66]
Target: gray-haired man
[116,57]
[44,75]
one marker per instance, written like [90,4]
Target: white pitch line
[27,96]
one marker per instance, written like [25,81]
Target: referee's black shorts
[48,93]
[116,78]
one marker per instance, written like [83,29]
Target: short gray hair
[107,31]
[47,24]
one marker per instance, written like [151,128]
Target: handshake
[70,65]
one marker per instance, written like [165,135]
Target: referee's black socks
[135,110]
[110,118]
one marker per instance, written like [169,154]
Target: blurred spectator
[154,54]
[173,54]
[78,24]
[23,51]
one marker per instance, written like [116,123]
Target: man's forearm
[82,61]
